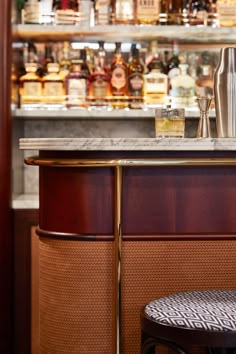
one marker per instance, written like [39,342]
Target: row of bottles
[104,12]
[86,77]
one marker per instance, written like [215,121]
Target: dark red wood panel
[179,200]
[5,182]
[77,200]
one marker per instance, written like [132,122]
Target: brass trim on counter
[58,162]
[117,258]
[70,236]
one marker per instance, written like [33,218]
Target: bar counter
[123,221]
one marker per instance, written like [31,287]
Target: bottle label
[182,91]
[32,12]
[135,82]
[53,89]
[158,85]
[148,10]
[32,89]
[99,88]
[103,12]
[118,78]
[77,91]
[124,10]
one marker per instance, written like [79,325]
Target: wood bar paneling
[5,183]
[179,201]
[77,200]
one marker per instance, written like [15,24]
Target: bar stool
[196,318]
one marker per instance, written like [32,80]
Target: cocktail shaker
[225,93]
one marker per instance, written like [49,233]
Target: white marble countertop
[129,144]
[25,201]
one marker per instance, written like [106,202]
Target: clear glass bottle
[147,12]
[30,86]
[169,122]
[153,57]
[156,85]
[182,91]
[135,80]
[99,81]
[119,79]
[53,86]
[124,11]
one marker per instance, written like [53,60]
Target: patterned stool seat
[196,318]
[211,310]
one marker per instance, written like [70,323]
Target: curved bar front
[119,228]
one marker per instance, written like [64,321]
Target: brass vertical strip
[117,261]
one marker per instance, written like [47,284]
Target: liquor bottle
[48,58]
[198,11]
[53,85]
[153,59]
[32,11]
[85,8]
[156,85]
[99,81]
[77,83]
[174,10]
[204,84]
[118,79]
[30,85]
[46,11]
[66,11]
[173,62]
[182,91]
[135,80]
[124,11]
[102,12]
[226,10]
[64,62]
[147,12]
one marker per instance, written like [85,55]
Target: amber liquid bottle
[119,79]
[135,80]
[171,12]
[147,12]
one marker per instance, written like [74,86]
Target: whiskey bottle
[77,84]
[30,85]
[147,11]
[118,79]
[99,81]
[174,10]
[32,11]
[66,11]
[53,85]
[124,12]
[135,80]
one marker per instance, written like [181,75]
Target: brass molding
[58,162]
[72,236]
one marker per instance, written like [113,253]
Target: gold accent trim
[50,162]
[117,258]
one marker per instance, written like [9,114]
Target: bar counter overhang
[123,221]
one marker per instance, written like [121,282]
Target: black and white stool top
[209,310]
